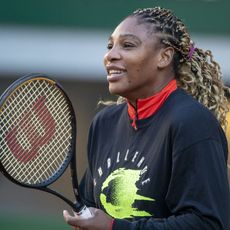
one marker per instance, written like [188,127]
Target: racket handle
[84,213]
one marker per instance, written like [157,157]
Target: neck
[145,108]
[155,90]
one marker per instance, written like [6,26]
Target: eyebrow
[127,36]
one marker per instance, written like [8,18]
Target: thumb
[71,220]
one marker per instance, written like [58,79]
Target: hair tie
[191,50]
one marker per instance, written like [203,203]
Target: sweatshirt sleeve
[86,189]
[198,194]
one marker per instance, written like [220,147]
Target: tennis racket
[38,136]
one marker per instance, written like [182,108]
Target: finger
[71,220]
[94,211]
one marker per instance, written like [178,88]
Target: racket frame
[71,159]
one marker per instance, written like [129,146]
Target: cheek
[135,75]
[142,65]
[139,69]
[104,60]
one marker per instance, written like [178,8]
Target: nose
[112,55]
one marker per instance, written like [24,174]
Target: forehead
[131,26]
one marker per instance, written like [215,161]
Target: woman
[157,159]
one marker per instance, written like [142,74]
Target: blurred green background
[200,16]
[67,40]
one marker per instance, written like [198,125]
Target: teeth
[115,72]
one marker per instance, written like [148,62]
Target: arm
[86,189]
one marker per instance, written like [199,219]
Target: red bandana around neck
[148,106]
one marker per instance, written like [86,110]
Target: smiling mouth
[114,72]
[115,75]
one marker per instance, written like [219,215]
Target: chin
[116,91]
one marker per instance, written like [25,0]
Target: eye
[109,46]
[128,45]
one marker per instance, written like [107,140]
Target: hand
[99,220]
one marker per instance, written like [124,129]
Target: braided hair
[195,70]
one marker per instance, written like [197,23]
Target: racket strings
[21,98]
[41,166]
[44,165]
[53,166]
[10,117]
[23,137]
[25,130]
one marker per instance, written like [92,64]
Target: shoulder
[191,122]
[189,111]
[104,125]
[108,116]
[109,112]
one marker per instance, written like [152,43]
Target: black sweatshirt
[170,173]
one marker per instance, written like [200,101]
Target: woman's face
[132,60]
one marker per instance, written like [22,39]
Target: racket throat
[70,203]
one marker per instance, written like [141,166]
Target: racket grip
[84,213]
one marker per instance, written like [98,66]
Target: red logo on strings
[25,140]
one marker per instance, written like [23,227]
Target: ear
[165,57]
